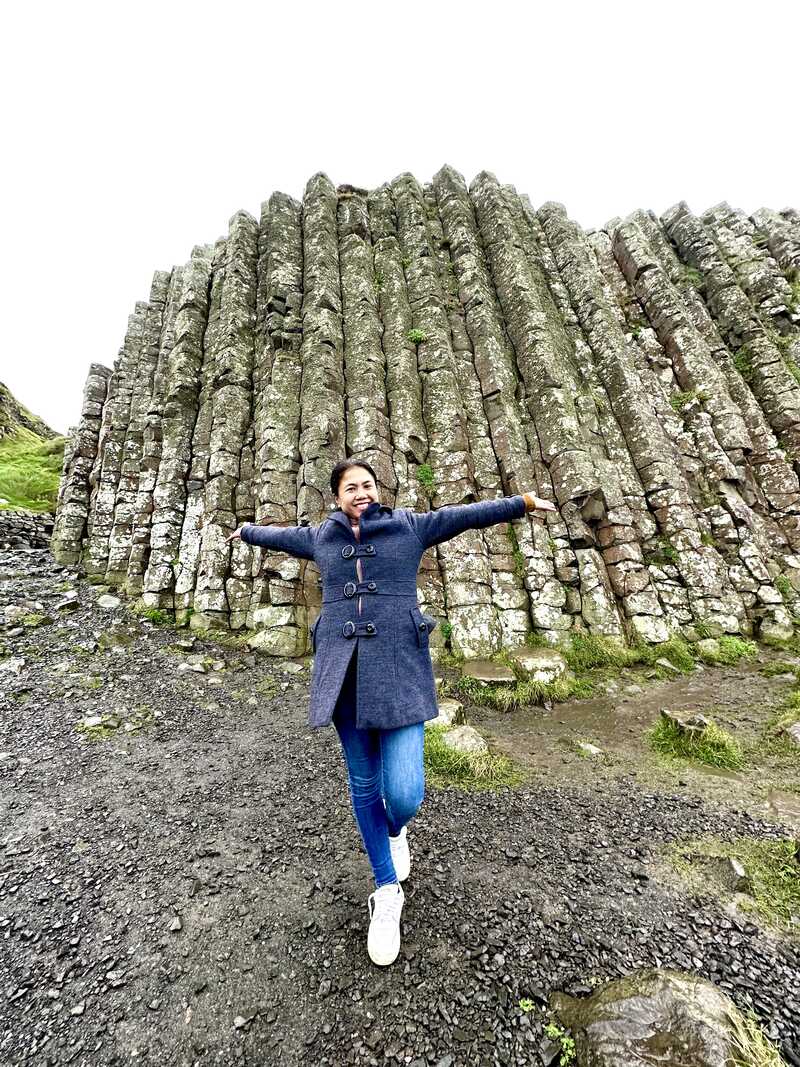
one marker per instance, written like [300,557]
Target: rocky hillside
[644,376]
[14,417]
[31,458]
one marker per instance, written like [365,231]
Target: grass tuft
[771,866]
[425,477]
[156,615]
[521,694]
[587,651]
[752,1048]
[466,770]
[731,650]
[714,746]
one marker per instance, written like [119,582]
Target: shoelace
[384,908]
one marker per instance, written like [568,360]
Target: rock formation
[644,376]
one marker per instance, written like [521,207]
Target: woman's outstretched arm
[296,540]
[433,527]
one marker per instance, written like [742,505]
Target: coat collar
[371,511]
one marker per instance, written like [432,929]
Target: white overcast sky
[133,131]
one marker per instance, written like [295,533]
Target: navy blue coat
[395,675]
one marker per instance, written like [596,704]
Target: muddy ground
[192,889]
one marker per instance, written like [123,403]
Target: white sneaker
[401,857]
[383,939]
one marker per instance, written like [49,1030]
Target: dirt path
[195,892]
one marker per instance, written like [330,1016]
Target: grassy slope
[31,456]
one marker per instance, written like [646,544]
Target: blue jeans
[381,765]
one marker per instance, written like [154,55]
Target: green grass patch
[559,1034]
[784,587]
[743,361]
[519,559]
[793,278]
[678,401]
[729,651]
[588,652]
[770,670]
[692,276]
[663,552]
[508,696]
[30,470]
[714,746]
[425,477]
[752,1048]
[156,615]
[416,337]
[467,770]
[771,866]
[773,740]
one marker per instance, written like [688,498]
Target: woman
[372,675]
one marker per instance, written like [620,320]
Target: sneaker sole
[383,961]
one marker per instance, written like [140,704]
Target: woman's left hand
[537,503]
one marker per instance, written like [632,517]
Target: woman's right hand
[235,536]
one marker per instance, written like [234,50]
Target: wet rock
[451,713]
[667,665]
[116,639]
[69,602]
[682,1016]
[465,739]
[484,670]
[692,725]
[709,646]
[15,665]
[542,664]
[588,749]
[108,602]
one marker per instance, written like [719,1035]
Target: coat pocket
[423,625]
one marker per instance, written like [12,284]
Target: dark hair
[345,464]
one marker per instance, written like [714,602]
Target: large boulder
[654,1018]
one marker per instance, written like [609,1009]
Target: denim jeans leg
[403,773]
[362,754]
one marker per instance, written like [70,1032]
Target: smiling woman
[372,676]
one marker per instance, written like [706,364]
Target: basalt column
[644,376]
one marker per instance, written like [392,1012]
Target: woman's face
[357,489]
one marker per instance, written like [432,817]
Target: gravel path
[194,892]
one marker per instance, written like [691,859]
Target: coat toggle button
[370,628]
[350,589]
[349,629]
[371,586]
[348,551]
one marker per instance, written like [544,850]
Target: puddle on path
[784,807]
